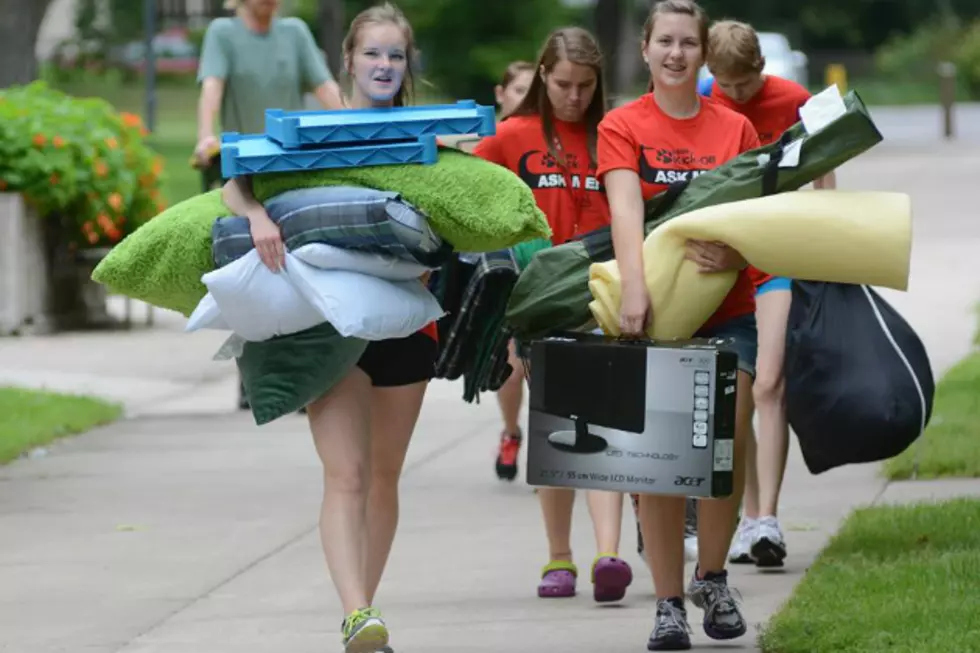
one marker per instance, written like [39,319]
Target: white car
[781,59]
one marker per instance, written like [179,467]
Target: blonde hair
[733,49]
[577,46]
[385,14]
[684,7]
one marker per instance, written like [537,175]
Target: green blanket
[553,292]
[473,204]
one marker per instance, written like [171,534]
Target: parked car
[781,59]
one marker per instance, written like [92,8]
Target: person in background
[772,104]
[635,146]
[249,63]
[514,86]
[509,93]
[362,427]
[256,61]
[549,136]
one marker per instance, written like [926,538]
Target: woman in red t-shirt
[549,142]
[666,136]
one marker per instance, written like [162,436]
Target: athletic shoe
[722,618]
[364,631]
[671,631]
[510,449]
[768,546]
[691,531]
[741,549]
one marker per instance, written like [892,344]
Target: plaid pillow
[348,217]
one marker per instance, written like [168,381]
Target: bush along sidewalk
[78,158]
[90,177]
[30,418]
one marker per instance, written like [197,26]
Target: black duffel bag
[859,386]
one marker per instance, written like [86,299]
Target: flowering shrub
[78,158]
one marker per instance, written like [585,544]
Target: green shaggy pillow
[475,205]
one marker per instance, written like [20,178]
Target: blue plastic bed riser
[294,129]
[256,154]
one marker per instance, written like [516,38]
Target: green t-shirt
[261,71]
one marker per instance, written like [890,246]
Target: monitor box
[632,416]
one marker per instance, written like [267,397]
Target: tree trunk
[608,19]
[331,19]
[20,21]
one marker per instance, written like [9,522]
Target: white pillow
[258,304]
[384,266]
[364,306]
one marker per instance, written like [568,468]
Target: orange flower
[101,169]
[112,143]
[89,230]
[114,234]
[58,141]
[131,119]
[157,166]
[39,140]
[105,222]
[115,201]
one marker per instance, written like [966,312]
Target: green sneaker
[364,631]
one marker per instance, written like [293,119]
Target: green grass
[31,418]
[897,579]
[950,447]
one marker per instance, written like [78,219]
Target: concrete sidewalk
[177,535]
[187,529]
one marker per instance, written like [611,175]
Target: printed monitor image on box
[632,416]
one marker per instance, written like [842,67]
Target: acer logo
[689,481]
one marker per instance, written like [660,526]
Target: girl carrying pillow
[362,427]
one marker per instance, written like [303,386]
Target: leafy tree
[20,21]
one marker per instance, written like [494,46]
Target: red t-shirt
[772,110]
[640,137]
[570,196]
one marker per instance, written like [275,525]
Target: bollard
[947,96]
[836,73]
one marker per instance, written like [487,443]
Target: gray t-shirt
[261,71]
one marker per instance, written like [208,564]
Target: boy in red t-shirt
[772,105]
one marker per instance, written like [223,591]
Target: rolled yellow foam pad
[827,235]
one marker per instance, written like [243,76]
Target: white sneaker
[768,545]
[691,548]
[741,549]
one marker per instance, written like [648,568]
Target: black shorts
[401,361]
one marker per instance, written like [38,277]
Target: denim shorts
[744,339]
[776,283]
